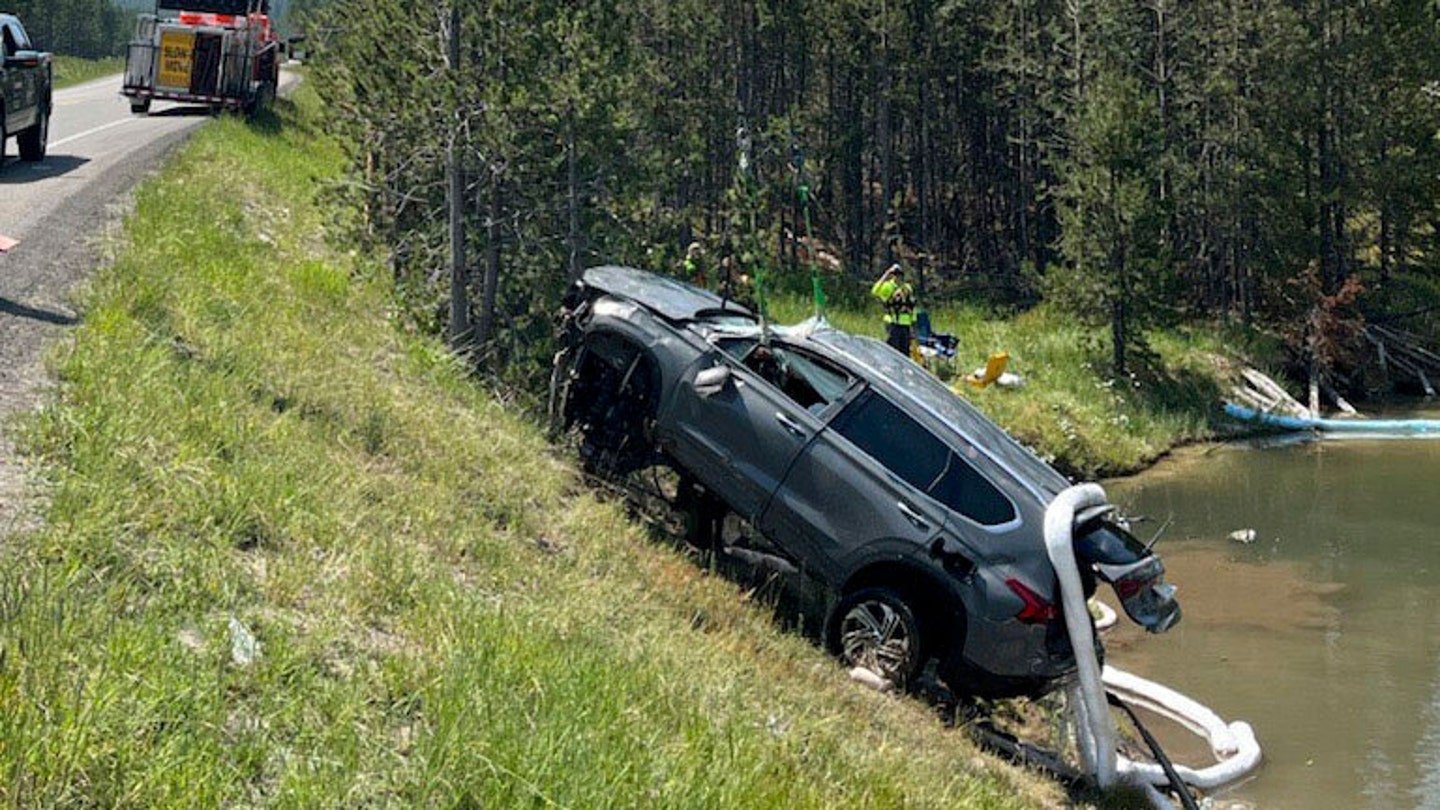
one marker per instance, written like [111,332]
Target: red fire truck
[222,53]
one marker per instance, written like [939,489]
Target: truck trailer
[220,53]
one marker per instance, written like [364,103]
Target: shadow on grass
[283,113]
[267,122]
[1180,393]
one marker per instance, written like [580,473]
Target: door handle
[916,519]
[789,424]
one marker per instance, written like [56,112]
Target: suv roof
[677,301]
[674,300]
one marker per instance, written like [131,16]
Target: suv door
[738,436]
[859,488]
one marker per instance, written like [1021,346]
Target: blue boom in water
[1403,427]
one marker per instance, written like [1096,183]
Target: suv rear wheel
[877,629]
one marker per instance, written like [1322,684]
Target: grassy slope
[444,616]
[72,70]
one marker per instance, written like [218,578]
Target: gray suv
[905,520]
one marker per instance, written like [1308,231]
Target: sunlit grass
[72,70]
[444,616]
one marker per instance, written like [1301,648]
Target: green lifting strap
[751,192]
[817,288]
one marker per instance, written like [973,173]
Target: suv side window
[808,382]
[11,45]
[888,435]
[965,490]
[906,448]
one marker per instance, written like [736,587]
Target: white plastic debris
[244,648]
[869,678]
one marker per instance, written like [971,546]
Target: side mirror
[711,381]
[23,59]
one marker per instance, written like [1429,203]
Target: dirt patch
[20,391]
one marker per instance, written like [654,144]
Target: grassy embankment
[445,616]
[72,70]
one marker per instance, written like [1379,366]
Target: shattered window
[808,382]
[736,347]
[963,489]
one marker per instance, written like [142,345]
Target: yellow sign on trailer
[177,60]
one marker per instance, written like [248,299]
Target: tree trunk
[492,260]
[573,193]
[886,137]
[460,332]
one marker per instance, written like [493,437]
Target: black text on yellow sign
[177,49]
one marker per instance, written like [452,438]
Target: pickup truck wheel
[876,628]
[32,141]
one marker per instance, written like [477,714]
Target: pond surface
[1324,632]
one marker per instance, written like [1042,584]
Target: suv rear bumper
[1037,657]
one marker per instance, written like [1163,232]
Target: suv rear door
[859,489]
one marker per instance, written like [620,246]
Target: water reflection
[1323,633]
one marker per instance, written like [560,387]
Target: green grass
[72,70]
[445,616]
[1071,410]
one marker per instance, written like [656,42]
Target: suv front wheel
[877,629]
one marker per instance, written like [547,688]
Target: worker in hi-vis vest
[899,299]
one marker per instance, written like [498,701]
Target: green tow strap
[753,196]
[817,288]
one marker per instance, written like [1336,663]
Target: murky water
[1324,632]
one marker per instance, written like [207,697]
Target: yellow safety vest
[899,300]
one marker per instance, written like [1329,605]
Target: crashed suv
[907,523]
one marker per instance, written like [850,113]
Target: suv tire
[877,629]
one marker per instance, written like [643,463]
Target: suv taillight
[1036,610]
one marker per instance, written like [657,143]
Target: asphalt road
[59,209]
